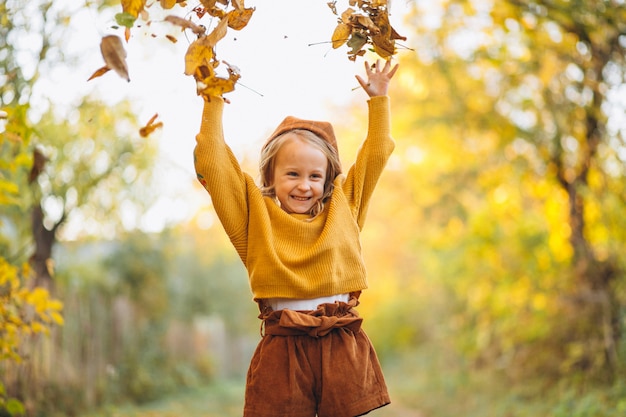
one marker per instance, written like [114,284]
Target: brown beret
[322,129]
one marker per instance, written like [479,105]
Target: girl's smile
[299,175]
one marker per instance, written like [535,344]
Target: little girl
[298,237]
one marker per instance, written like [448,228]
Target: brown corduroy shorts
[312,363]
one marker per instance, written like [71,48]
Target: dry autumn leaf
[133,7]
[341,34]
[218,33]
[114,55]
[198,54]
[239,18]
[212,86]
[99,72]
[150,127]
[167,4]
[185,24]
[367,22]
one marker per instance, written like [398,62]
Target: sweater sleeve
[371,158]
[220,174]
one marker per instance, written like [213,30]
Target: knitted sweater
[285,256]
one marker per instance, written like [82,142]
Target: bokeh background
[495,243]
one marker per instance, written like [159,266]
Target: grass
[421,385]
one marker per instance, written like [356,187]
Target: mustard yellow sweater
[285,256]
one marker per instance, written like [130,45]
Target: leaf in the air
[125,19]
[364,22]
[333,6]
[185,24]
[357,41]
[150,127]
[99,72]
[208,4]
[167,4]
[133,7]
[218,33]
[341,34]
[114,55]
[239,18]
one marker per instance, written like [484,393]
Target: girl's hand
[378,78]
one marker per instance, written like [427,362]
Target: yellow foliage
[23,311]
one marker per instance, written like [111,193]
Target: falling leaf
[114,55]
[238,4]
[208,4]
[366,22]
[125,19]
[341,34]
[167,4]
[239,18]
[99,73]
[171,38]
[333,6]
[150,127]
[357,41]
[185,24]
[133,7]
[218,33]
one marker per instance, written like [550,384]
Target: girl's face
[299,175]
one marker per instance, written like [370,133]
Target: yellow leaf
[218,33]
[341,34]
[57,318]
[239,18]
[133,7]
[198,54]
[167,4]
[215,86]
[37,327]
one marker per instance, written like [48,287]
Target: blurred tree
[86,160]
[509,180]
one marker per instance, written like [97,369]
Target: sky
[287,66]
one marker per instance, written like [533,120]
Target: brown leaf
[150,127]
[114,55]
[198,54]
[185,24]
[99,73]
[364,22]
[383,41]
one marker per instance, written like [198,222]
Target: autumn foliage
[364,22]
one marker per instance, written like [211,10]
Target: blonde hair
[268,161]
